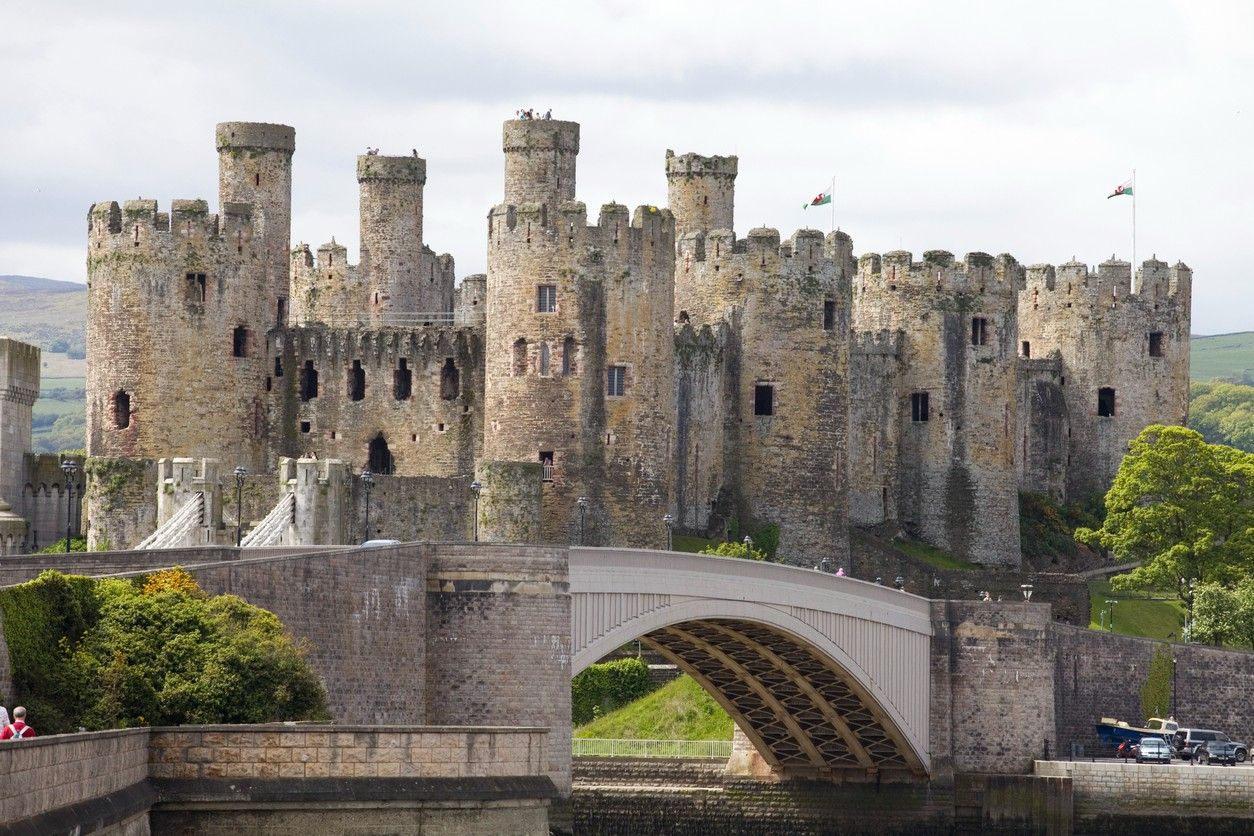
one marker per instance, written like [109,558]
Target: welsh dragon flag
[1123,188]
[820,199]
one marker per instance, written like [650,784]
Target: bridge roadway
[824,674]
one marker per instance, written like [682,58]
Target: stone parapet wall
[43,774]
[287,751]
[1119,789]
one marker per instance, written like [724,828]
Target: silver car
[1153,750]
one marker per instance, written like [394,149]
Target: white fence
[592,747]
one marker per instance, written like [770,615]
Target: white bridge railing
[177,530]
[593,747]
[270,531]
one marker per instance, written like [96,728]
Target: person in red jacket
[17,730]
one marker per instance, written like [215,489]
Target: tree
[1183,508]
[1215,615]
[1223,413]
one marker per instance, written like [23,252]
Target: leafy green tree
[1183,508]
[1223,413]
[1215,615]
[734,549]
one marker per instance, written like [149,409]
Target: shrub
[605,686]
[731,549]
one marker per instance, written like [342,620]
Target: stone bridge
[823,674]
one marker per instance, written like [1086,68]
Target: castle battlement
[532,224]
[411,169]
[1112,282]
[978,272]
[697,165]
[807,247]
[378,343]
[139,224]
[255,136]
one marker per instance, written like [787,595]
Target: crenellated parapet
[1073,284]
[138,228]
[701,191]
[978,273]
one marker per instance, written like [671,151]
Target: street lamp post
[475,488]
[68,467]
[1110,606]
[1173,687]
[670,521]
[1026,589]
[582,502]
[748,547]
[240,473]
[367,482]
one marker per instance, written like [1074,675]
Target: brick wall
[46,773]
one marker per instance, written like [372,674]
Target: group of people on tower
[529,113]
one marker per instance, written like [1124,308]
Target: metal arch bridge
[827,676]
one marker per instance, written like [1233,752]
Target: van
[1186,741]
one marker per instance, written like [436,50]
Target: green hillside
[1223,356]
[679,710]
[45,312]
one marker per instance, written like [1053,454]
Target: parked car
[1227,752]
[1153,750]
[1186,742]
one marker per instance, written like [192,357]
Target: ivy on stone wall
[605,686]
[1156,690]
[154,651]
[109,478]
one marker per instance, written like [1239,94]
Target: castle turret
[391,230]
[255,167]
[540,161]
[701,191]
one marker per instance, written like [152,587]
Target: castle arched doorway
[380,458]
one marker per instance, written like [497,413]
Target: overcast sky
[997,126]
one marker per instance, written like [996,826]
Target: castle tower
[255,167]
[540,161]
[19,388]
[957,480]
[579,345]
[700,191]
[391,230]
[1122,355]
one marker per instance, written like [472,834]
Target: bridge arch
[826,676]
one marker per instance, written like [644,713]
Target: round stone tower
[255,167]
[700,191]
[540,161]
[391,230]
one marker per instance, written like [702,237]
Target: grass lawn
[1136,613]
[679,710]
[931,555]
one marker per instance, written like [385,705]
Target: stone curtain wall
[48,773]
[1101,674]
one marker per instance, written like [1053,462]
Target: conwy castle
[602,375]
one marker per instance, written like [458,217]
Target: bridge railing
[593,747]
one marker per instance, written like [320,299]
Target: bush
[77,544]
[730,549]
[156,651]
[605,686]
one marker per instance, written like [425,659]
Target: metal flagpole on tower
[833,202]
[1134,223]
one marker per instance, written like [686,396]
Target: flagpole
[833,202]
[1134,223]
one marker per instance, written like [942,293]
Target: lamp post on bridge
[1110,607]
[367,482]
[69,467]
[240,473]
[670,522]
[748,547]
[582,502]
[1026,589]
[475,488]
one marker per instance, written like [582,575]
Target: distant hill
[1224,357]
[48,313]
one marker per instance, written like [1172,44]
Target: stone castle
[605,374]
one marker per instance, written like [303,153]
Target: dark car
[1227,752]
[1153,750]
[1187,741]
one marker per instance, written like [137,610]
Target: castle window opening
[918,407]
[684,317]
[1027,348]
[121,409]
[402,381]
[520,357]
[829,314]
[568,355]
[705,201]
[356,382]
[269,383]
[544,358]
[308,381]
[413,437]
[450,380]
[546,465]
[546,298]
[257,179]
[1156,344]
[195,290]
[615,381]
[979,331]
[1105,402]
[280,312]
[304,426]
[380,459]
[439,427]
[239,342]
[763,399]
[278,366]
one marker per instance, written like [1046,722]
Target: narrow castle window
[239,342]
[280,312]
[269,383]
[829,314]
[195,288]
[1156,344]
[684,317]
[380,460]
[257,179]
[308,382]
[544,358]
[979,331]
[121,409]
[450,380]
[520,357]
[615,381]
[304,426]
[402,381]
[918,406]
[357,382]
[546,465]
[278,366]
[546,298]
[1105,402]
[763,399]
[568,355]
[1027,349]
[705,200]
